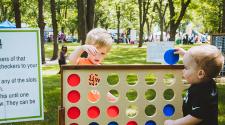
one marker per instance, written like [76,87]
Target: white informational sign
[21,93]
[156,50]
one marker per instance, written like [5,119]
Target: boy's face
[99,57]
[190,72]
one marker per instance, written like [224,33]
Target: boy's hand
[90,49]
[180,51]
[169,122]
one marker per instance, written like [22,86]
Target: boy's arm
[187,120]
[74,56]
[180,51]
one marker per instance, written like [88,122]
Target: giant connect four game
[120,94]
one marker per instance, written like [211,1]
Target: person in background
[62,57]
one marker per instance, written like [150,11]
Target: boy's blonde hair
[99,37]
[209,58]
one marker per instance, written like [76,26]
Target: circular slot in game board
[132,79]
[132,123]
[73,113]
[150,122]
[113,111]
[113,95]
[73,124]
[150,110]
[73,80]
[168,110]
[113,79]
[169,79]
[94,123]
[168,94]
[150,94]
[113,123]
[93,96]
[131,95]
[93,112]
[73,96]
[150,79]
[132,111]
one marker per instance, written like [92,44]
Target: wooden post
[61,115]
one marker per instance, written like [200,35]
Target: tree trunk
[161,29]
[4,10]
[220,21]
[141,34]
[90,14]
[149,27]
[118,23]
[55,30]
[161,13]
[16,8]
[41,25]
[140,22]
[223,18]
[82,27]
[143,10]
[174,24]
[65,16]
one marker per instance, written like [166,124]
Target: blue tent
[7,24]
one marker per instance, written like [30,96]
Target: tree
[90,14]
[41,25]
[16,9]
[5,10]
[161,12]
[174,23]
[223,18]
[85,18]
[82,26]
[118,14]
[55,30]
[149,25]
[143,10]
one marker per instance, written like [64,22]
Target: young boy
[201,65]
[98,44]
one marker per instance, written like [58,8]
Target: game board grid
[122,87]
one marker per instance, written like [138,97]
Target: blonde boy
[98,44]
[201,65]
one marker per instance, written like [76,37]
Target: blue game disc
[170,57]
[113,123]
[168,110]
[150,123]
[94,123]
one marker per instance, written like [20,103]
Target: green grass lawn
[120,54]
